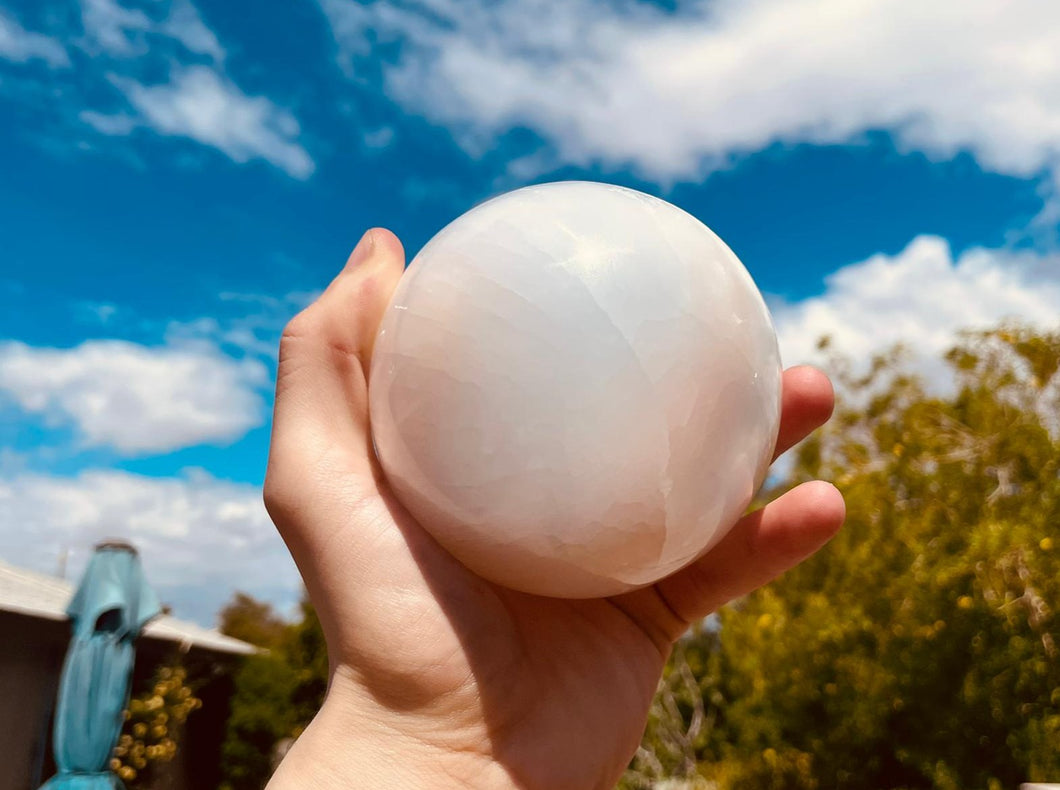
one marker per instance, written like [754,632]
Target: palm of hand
[544,692]
[473,668]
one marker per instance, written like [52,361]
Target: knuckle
[305,324]
[270,493]
[278,497]
[303,338]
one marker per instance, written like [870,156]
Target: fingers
[807,400]
[761,547]
[321,408]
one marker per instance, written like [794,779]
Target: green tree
[262,714]
[253,621]
[276,692]
[306,653]
[919,649]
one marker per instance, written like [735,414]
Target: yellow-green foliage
[919,649]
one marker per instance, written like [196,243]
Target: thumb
[320,427]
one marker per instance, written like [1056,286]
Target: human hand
[439,678]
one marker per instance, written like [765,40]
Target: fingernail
[360,252]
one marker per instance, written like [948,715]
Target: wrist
[350,745]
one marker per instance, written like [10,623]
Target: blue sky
[177,178]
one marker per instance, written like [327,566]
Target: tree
[262,714]
[306,653]
[680,719]
[919,649]
[251,620]
[276,692]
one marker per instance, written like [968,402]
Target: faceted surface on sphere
[576,389]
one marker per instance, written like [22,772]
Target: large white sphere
[576,389]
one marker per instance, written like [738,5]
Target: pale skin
[440,679]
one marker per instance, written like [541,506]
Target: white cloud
[922,298]
[124,32]
[113,125]
[254,329]
[201,104]
[136,399]
[20,45]
[96,312]
[114,29]
[380,137]
[198,101]
[200,538]
[186,26]
[674,93]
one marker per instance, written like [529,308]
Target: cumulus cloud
[676,93]
[203,105]
[20,45]
[921,297]
[137,399]
[200,538]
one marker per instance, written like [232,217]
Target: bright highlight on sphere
[576,389]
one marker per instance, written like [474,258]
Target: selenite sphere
[576,389]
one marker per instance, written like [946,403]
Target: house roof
[36,595]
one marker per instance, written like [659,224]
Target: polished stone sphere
[576,389]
